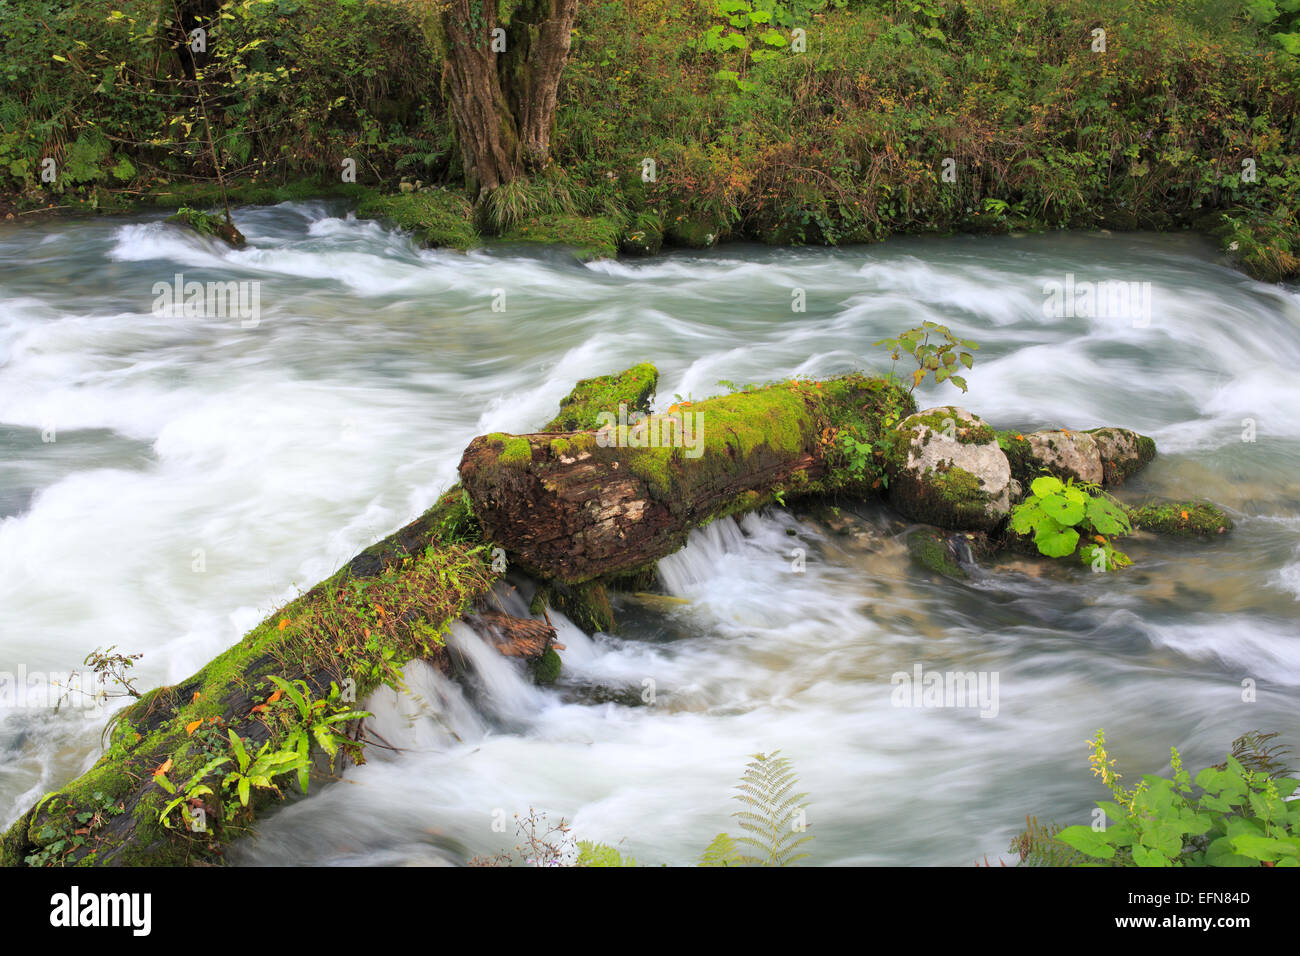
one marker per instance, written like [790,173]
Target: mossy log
[584,505]
[389,605]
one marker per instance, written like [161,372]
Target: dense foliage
[1188,116]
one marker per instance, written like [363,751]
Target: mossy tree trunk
[503,100]
[386,606]
[586,505]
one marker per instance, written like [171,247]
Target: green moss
[692,228]
[1181,518]
[586,605]
[582,407]
[939,420]
[437,217]
[1019,455]
[560,448]
[247,192]
[593,237]
[513,451]
[929,549]
[547,669]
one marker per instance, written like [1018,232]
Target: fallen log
[611,501]
[389,605]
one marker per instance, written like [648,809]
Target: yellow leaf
[164,768]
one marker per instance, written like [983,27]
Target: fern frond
[721,852]
[1038,846]
[769,808]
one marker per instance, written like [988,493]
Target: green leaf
[1046,485]
[1087,840]
[1106,517]
[1056,544]
[1064,510]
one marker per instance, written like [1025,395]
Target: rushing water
[268,455]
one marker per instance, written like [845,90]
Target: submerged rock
[949,471]
[1183,518]
[931,548]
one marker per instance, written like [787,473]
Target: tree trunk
[540,35]
[503,103]
[485,126]
[586,505]
[378,611]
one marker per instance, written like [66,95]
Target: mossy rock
[1181,518]
[1123,452]
[586,605]
[693,229]
[592,237]
[946,469]
[547,669]
[436,217]
[1065,454]
[930,548]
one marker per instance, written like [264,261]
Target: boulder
[1122,452]
[947,469]
[1065,454]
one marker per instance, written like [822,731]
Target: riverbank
[970,116]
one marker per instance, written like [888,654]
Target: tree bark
[539,40]
[503,103]
[485,126]
[577,507]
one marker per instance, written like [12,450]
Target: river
[166,482]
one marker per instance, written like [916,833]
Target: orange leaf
[258,709]
[276,696]
[192,726]
[195,697]
[164,768]
[284,622]
[1184,514]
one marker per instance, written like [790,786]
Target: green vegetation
[1239,813]
[770,817]
[1057,514]
[940,361]
[436,217]
[1181,518]
[591,397]
[389,605]
[1187,119]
